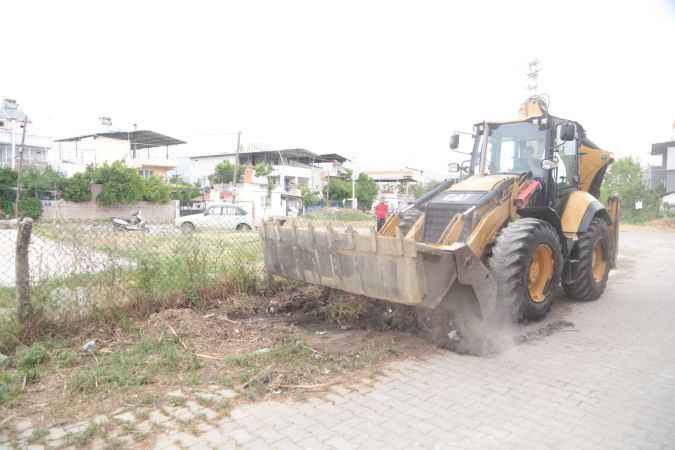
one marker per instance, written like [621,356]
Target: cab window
[567,170]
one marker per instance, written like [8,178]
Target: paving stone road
[606,382]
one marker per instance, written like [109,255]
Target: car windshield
[515,148]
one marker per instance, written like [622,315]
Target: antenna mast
[533,76]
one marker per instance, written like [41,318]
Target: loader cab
[545,147]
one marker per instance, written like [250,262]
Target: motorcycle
[135,223]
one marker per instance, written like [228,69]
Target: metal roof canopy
[326,157]
[289,152]
[661,147]
[138,138]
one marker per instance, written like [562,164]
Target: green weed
[82,438]
[138,365]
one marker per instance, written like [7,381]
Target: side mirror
[567,132]
[548,164]
[454,141]
[454,167]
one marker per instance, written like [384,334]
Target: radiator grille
[437,218]
[443,208]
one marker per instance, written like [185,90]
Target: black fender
[595,209]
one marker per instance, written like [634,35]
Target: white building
[35,148]
[145,150]
[291,168]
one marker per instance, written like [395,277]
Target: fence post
[24,307]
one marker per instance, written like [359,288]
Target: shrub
[32,357]
[30,207]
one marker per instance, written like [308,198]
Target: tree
[339,189]
[419,189]
[184,193]
[176,179]
[121,184]
[33,180]
[30,207]
[263,169]
[366,191]
[224,173]
[76,188]
[155,190]
[7,190]
[625,179]
[310,198]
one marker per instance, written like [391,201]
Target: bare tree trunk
[24,307]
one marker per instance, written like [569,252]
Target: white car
[222,216]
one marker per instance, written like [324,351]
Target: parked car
[222,216]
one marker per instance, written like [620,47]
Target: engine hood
[476,183]
[458,199]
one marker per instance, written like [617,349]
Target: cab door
[566,174]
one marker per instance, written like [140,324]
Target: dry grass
[290,342]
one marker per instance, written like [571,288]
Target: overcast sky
[386,81]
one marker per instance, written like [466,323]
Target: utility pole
[19,168]
[13,140]
[353,190]
[236,166]
[236,158]
[353,183]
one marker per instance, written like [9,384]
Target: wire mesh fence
[74,265]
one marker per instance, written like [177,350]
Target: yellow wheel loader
[524,218]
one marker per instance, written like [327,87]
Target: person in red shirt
[381,211]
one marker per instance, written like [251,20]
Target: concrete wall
[62,210]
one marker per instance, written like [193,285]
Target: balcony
[139,163]
[659,176]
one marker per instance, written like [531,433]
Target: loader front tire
[593,255]
[527,262]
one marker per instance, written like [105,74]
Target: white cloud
[386,81]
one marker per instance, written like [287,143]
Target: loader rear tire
[593,254]
[527,262]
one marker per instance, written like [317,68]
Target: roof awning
[138,138]
[661,147]
[333,157]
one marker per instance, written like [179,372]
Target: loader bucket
[360,261]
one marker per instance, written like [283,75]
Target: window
[567,162]
[215,211]
[515,148]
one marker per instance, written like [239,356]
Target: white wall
[203,167]
[670,162]
[31,140]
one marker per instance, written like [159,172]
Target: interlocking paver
[608,382]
